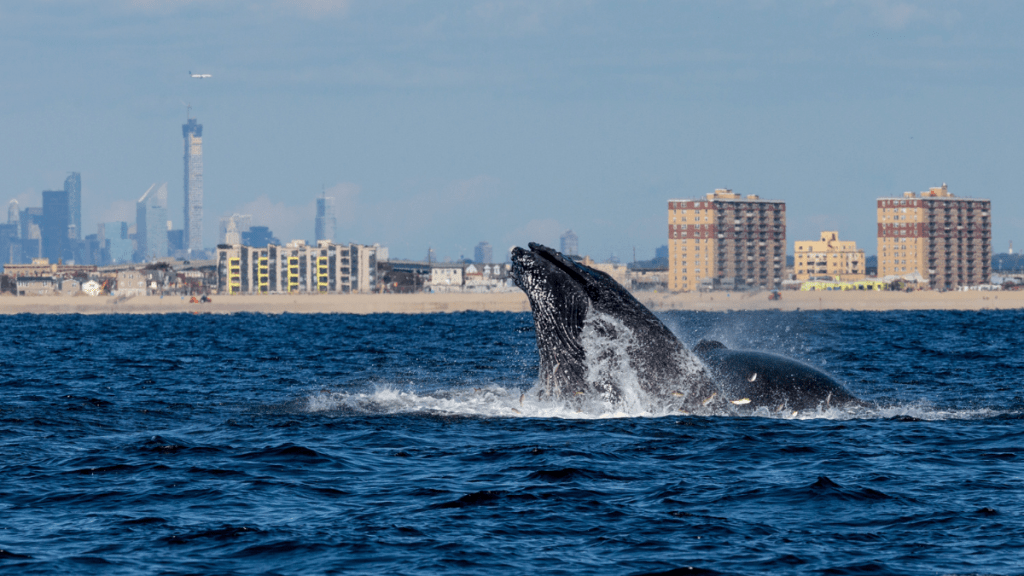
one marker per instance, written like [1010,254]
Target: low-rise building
[403,276]
[614,269]
[446,277]
[42,267]
[130,283]
[69,286]
[485,277]
[647,279]
[36,285]
[92,288]
[828,258]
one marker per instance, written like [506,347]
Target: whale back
[771,380]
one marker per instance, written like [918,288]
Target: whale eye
[752,377]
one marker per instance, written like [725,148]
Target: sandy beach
[506,302]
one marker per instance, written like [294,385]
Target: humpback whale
[578,310]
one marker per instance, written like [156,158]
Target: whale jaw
[560,308]
[577,310]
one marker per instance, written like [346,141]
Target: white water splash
[611,376]
[490,401]
[486,401]
[496,401]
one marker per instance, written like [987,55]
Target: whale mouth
[518,256]
[526,264]
[542,259]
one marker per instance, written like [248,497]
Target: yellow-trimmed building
[297,267]
[828,257]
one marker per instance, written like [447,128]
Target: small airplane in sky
[199,75]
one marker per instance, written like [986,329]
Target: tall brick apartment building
[726,241]
[945,239]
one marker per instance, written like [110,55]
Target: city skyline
[517,122]
[152,228]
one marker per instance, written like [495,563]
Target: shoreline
[506,302]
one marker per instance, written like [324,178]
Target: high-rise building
[10,233]
[32,223]
[232,236]
[326,224]
[151,223]
[14,216]
[259,236]
[73,186]
[113,236]
[10,247]
[726,241]
[828,258]
[570,244]
[483,253]
[193,134]
[31,233]
[175,242]
[944,239]
[55,229]
[232,227]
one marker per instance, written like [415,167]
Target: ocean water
[330,444]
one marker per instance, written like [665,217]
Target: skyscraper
[326,224]
[151,223]
[113,236]
[570,244]
[14,216]
[55,229]
[10,247]
[31,233]
[259,236]
[483,253]
[10,233]
[73,186]
[236,224]
[193,134]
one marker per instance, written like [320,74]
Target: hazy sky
[446,123]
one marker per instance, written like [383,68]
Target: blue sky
[441,124]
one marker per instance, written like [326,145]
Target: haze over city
[445,124]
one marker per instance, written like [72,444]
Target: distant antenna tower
[188,111]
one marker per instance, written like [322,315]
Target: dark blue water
[324,444]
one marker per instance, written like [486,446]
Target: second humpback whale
[587,325]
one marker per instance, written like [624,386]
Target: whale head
[570,300]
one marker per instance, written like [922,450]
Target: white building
[486,277]
[296,267]
[446,277]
